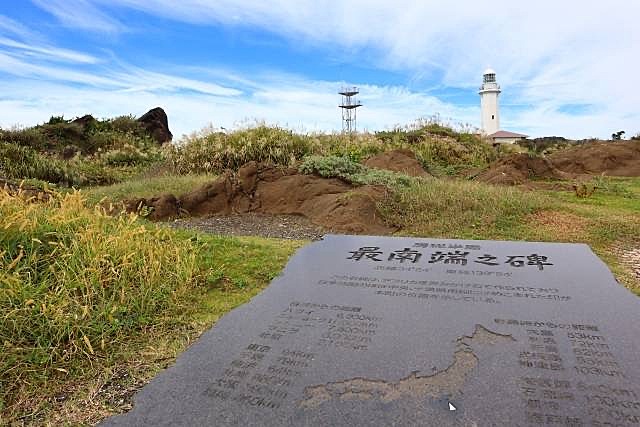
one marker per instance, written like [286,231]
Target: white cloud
[548,54]
[306,106]
[50,52]
[140,80]
[81,14]
[9,26]
[20,68]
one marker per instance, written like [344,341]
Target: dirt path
[275,226]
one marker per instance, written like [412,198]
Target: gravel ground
[278,226]
[631,258]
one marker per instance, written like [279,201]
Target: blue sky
[566,68]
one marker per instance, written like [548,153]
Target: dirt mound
[610,158]
[258,188]
[400,160]
[155,121]
[519,168]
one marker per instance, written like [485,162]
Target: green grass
[608,221]
[178,283]
[68,154]
[75,282]
[86,297]
[458,209]
[440,149]
[146,187]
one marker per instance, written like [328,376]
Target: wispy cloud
[81,14]
[287,100]
[555,53]
[50,52]
[547,56]
[10,27]
[139,80]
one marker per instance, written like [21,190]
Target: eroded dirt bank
[258,188]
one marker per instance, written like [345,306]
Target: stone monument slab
[379,331]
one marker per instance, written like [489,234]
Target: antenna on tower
[349,107]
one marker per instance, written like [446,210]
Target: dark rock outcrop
[155,121]
[84,120]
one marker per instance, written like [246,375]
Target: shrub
[443,156]
[216,151]
[355,173]
[20,162]
[441,149]
[584,189]
[356,147]
[113,140]
[92,172]
[62,133]
[127,124]
[508,149]
[57,119]
[131,155]
[31,137]
[331,166]
[74,282]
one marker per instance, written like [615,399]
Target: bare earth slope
[400,160]
[608,158]
[257,188]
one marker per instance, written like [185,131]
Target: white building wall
[510,140]
[490,114]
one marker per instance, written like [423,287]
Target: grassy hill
[95,301]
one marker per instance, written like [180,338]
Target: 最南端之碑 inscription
[384,331]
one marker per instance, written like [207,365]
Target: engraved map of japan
[448,382]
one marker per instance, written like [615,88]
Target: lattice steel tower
[349,107]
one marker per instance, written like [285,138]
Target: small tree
[617,135]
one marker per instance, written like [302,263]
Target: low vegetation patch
[93,305]
[75,282]
[458,209]
[352,172]
[211,152]
[141,187]
[440,149]
[78,153]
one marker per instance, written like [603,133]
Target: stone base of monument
[362,331]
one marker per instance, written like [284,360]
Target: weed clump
[90,152]
[439,148]
[352,172]
[23,162]
[217,151]
[456,209]
[75,282]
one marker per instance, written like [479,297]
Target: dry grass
[559,226]
[457,209]
[93,306]
[76,283]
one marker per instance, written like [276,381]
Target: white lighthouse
[489,92]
